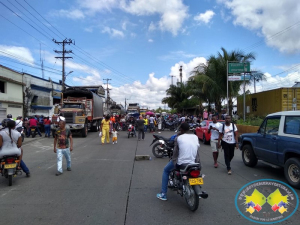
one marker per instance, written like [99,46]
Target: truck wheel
[292,172]
[84,131]
[248,156]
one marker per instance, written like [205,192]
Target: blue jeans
[60,153]
[165,177]
[151,127]
[47,130]
[145,128]
[24,167]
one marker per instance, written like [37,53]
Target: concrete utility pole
[107,92]
[172,78]
[63,57]
[180,73]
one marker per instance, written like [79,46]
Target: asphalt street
[107,186]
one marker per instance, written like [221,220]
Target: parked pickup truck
[277,142]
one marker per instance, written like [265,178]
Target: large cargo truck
[117,109]
[133,108]
[82,109]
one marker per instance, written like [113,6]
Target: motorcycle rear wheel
[157,151]
[191,199]
[10,180]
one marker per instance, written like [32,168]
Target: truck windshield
[78,106]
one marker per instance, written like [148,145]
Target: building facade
[11,92]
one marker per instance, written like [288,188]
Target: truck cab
[276,142]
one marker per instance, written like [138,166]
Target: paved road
[106,186]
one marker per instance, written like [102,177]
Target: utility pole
[107,93]
[180,74]
[63,57]
[172,78]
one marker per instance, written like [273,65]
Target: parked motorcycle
[131,130]
[9,167]
[187,181]
[21,131]
[169,124]
[164,147]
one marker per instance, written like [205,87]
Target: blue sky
[138,44]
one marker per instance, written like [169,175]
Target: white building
[11,92]
[40,95]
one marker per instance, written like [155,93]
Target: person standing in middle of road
[140,126]
[63,145]
[114,136]
[146,124]
[151,123]
[214,128]
[105,128]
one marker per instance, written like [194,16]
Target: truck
[133,108]
[82,109]
[277,143]
[117,109]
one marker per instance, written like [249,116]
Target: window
[2,86]
[292,125]
[272,125]
[34,100]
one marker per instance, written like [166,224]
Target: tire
[204,140]
[248,156]
[10,180]
[33,134]
[156,151]
[292,172]
[84,131]
[170,181]
[192,200]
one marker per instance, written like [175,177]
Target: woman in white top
[10,140]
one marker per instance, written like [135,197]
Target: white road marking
[50,167]
[7,192]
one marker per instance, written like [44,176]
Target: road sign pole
[245,69]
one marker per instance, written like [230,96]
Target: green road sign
[238,67]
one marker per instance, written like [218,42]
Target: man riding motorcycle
[186,150]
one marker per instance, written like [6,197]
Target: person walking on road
[63,145]
[146,124]
[214,128]
[151,123]
[114,136]
[105,128]
[47,123]
[140,126]
[228,137]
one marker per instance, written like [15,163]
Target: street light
[64,79]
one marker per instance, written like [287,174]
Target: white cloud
[172,12]
[113,32]
[152,27]
[133,35]
[17,53]
[150,40]
[269,18]
[205,17]
[176,55]
[72,14]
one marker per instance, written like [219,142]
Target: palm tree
[257,76]
[177,96]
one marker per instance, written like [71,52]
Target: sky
[139,44]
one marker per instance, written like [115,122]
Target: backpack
[224,128]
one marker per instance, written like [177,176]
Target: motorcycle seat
[184,167]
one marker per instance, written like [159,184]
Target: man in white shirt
[151,123]
[19,122]
[186,150]
[228,135]
[214,128]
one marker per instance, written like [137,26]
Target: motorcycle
[33,131]
[164,147]
[171,125]
[21,131]
[187,181]
[9,167]
[131,131]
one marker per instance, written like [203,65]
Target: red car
[202,130]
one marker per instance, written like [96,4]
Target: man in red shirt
[34,123]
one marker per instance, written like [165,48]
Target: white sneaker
[113,143]
[116,142]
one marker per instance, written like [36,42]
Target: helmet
[9,116]
[19,117]
[4,122]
